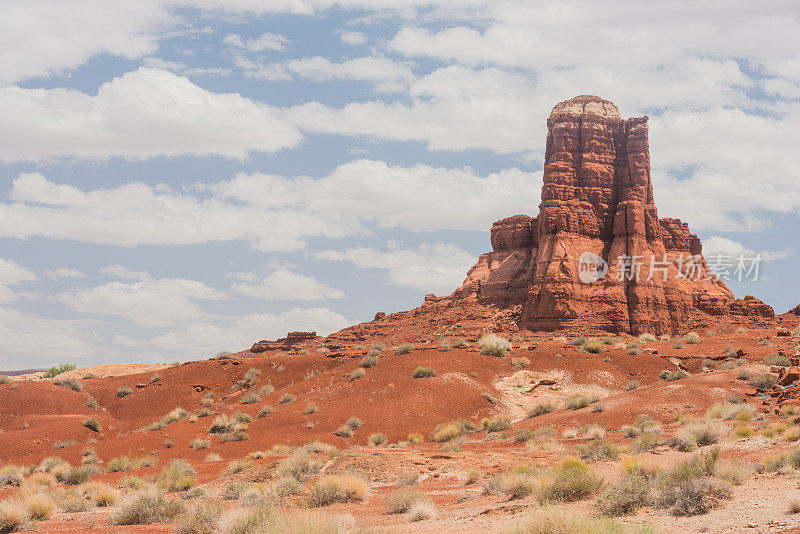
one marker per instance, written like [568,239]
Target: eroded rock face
[598,212]
[286,343]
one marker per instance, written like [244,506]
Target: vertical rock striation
[598,212]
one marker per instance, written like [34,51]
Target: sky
[182,177]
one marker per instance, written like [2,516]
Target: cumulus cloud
[285,285]
[354,38]
[26,336]
[64,272]
[202,339]
[270,212]
[160,302]
[385,74]
[118,271]
[141,114]
[439,268]
[12,273]
[722,246]
[267,41]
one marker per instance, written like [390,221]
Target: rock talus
[597,255]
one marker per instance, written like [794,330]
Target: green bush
[63,368]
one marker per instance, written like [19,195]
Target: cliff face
[597,254]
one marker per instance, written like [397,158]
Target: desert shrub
[794,506]
[626,496]
[402,499]
[496,423]
[126,463]
[70,383]
[286,398]
[570,480]
[644,443]
[204,412]
[671,376]
[598,407]
[376,439]
[678,344]
[91,423]
[13,515]
[743,374]
[421,510]
[763,380]
[39,507]
[594,346]
[212,457]
[179,475]
[792,433]
[178,414]
[647,337]
[520,363]
[250,397]
[523,435]
[446,432]
[408,479]
[634,348]
[494,345]
[265,410]
[199,443]
[337,488]
[704,432]
[343,431]
[155,378]
[11,475]
[488,396]
[692,338]
[225,355]
[404,348]
[124,391]
[72,475]
[731,410]
[145,507]
[424,372]
[633,384]
[201,518]
[357,373]
[299,466]
[237,434]
[557,521]
[473,475]
[698,496]
[311,408]
[777,359]
[460,342]
[62,444]
[104,495]
[354,423]
[221,424]
[579,341]
[415,438]
[444,345]
[576,402]
[540,409]
[732,471]
[370,360]
[598,449]
[249,380]
[236,466]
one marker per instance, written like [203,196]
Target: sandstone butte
[597,197]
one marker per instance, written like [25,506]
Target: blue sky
[180,178]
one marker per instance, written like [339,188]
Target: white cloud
[385,74]
[160,302]
[27,336]
[722,246]
[52,37]
[270,212]
[267,41]
[436,268]
[354,38]
[12,273]
[118,271]
[64,272]
[286,285]
[141,114]
[203,339]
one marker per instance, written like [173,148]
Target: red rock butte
[597,202]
